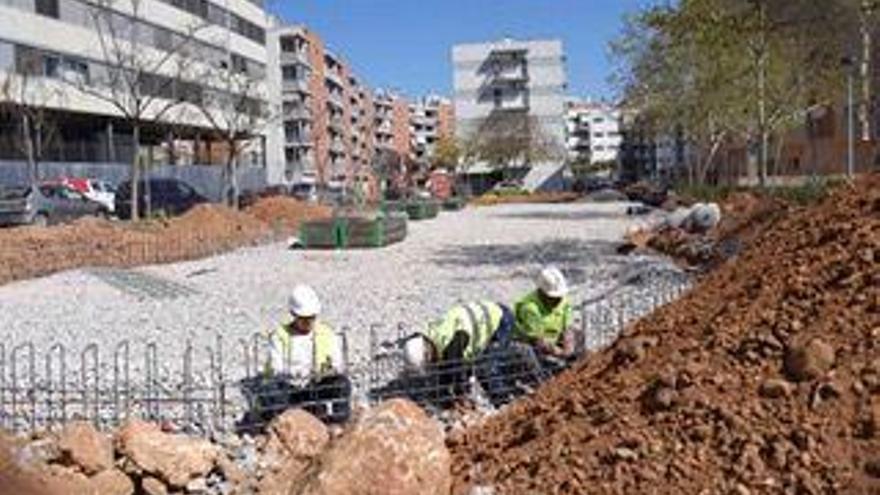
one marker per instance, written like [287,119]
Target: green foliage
[732,70]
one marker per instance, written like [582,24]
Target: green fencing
[454,204]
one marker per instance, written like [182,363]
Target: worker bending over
[544,318]
[305,349]
[472,335]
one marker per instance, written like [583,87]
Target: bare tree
[140,81]
[506,140]
[27,98]
[237,112]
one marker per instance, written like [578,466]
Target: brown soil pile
[765,378]
[493,199]
[207,229]
[285,215]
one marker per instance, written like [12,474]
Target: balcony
[334,77]
[296,57]
[335,122]
[298,140]
[296,86]
[336,99]
[337,146]
[297,113]
[385,129]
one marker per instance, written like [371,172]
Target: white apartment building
[593,132]
[426,125]
[512,76]
[62,46]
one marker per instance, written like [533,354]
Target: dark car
[45,204]
[165,196]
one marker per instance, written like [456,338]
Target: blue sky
[405,44]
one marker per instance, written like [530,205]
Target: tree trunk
[865,70]
[28,141]
[135,170]
[764,136]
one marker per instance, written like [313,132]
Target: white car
[99,191]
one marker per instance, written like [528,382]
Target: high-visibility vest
[535,321]
[479,320]
[324,347]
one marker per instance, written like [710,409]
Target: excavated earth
[30,252]
[764,378]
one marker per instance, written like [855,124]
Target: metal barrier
[213,390]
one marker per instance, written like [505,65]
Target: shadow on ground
[570,254]
[563,215]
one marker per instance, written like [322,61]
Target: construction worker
[543,317]
[305,349]
[478,331]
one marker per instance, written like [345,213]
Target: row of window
[76,70]
[218,15]
[93,17]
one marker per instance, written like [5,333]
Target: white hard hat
[304,302]
[552,282]
[415,351]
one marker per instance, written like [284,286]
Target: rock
[197,486]
[230,471]
[152,486]
[175,459]
[775,388]
[111,482]
[625,454]
[872,468]
[808,361]
[62,479]
[279,481]
[660,398]
[298,434]
[82,445]
[43,450]
[393,449]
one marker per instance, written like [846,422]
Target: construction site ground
[489,253]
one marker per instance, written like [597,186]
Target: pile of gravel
[489,253]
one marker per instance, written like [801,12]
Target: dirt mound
[765,378]
[286,214]
[206,229]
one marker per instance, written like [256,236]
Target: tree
[237,112]
[446,153]
[741,70]
[27,99]
[140,82]
[507,140]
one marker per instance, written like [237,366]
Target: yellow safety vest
[323,346]
[479,320]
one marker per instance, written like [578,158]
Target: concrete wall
[207,180]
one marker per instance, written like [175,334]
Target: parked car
[46,204]
[165,197]
[99,191]
[304,191]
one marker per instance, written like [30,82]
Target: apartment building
[593,132]
[54,49]
[514,78]
[431,119]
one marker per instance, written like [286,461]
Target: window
[48,8]
[51,66]
[598,120]
[497,97]
[28,61]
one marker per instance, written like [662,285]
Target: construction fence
[220,386]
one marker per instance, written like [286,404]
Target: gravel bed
[488,252]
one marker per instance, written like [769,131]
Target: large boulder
[175,459]
[83,446]
[394,449]
[297,433]
[111,482]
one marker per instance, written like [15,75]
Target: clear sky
[405,44]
